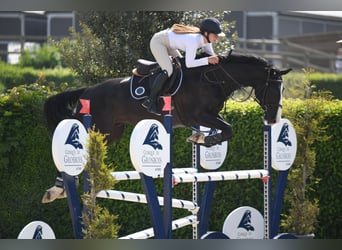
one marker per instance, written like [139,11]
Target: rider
[188,39]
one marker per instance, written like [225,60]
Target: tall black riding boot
[151,103]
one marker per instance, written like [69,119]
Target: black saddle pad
[140,86]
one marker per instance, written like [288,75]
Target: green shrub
[321,81]
[14,75]
[45,57]
[26,166]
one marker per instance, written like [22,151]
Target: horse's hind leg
[55,192]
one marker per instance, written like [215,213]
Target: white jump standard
[155,161]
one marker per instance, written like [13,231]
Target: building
[288,39]
[296,39]
[25,29]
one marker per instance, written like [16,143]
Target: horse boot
[151,103]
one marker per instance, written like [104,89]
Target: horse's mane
[236,58]
[242,58]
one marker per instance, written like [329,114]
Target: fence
[287,54]
[12,46]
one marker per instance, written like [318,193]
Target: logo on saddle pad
[152,137]
[74,138]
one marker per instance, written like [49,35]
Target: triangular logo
[73,137]
[152,137]
[284,135]
[38,233]
[246,221]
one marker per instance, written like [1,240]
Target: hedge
[13,76]
[27,169]
[26,166]
[321,81]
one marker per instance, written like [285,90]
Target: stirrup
[146,103]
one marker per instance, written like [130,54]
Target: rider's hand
[213,60]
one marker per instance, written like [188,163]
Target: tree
[98,222]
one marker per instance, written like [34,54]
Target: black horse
[198,102]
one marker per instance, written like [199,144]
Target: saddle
[144,74]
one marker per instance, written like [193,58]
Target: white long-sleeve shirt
[190,43]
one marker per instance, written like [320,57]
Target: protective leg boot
[152,100]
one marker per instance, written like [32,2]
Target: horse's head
[248,70]
[269,94]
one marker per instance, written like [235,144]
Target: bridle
[264,89]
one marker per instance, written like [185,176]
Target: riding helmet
[211,25]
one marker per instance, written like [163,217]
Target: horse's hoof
[53,193]
[212,140]
[197,138]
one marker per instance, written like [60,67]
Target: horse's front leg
[210,140]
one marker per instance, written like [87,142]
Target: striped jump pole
[134,175]
[141,198]
[149,233]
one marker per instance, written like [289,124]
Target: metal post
[267,184]
[195,185]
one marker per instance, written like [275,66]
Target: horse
[198,101]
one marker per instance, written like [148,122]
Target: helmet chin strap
[207,37]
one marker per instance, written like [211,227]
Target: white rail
[148,233]
[134,175]
[141,198]
[220,176]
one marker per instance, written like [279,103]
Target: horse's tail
[61,106]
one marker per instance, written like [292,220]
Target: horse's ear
[285,71]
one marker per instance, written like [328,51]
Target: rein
[240,86]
